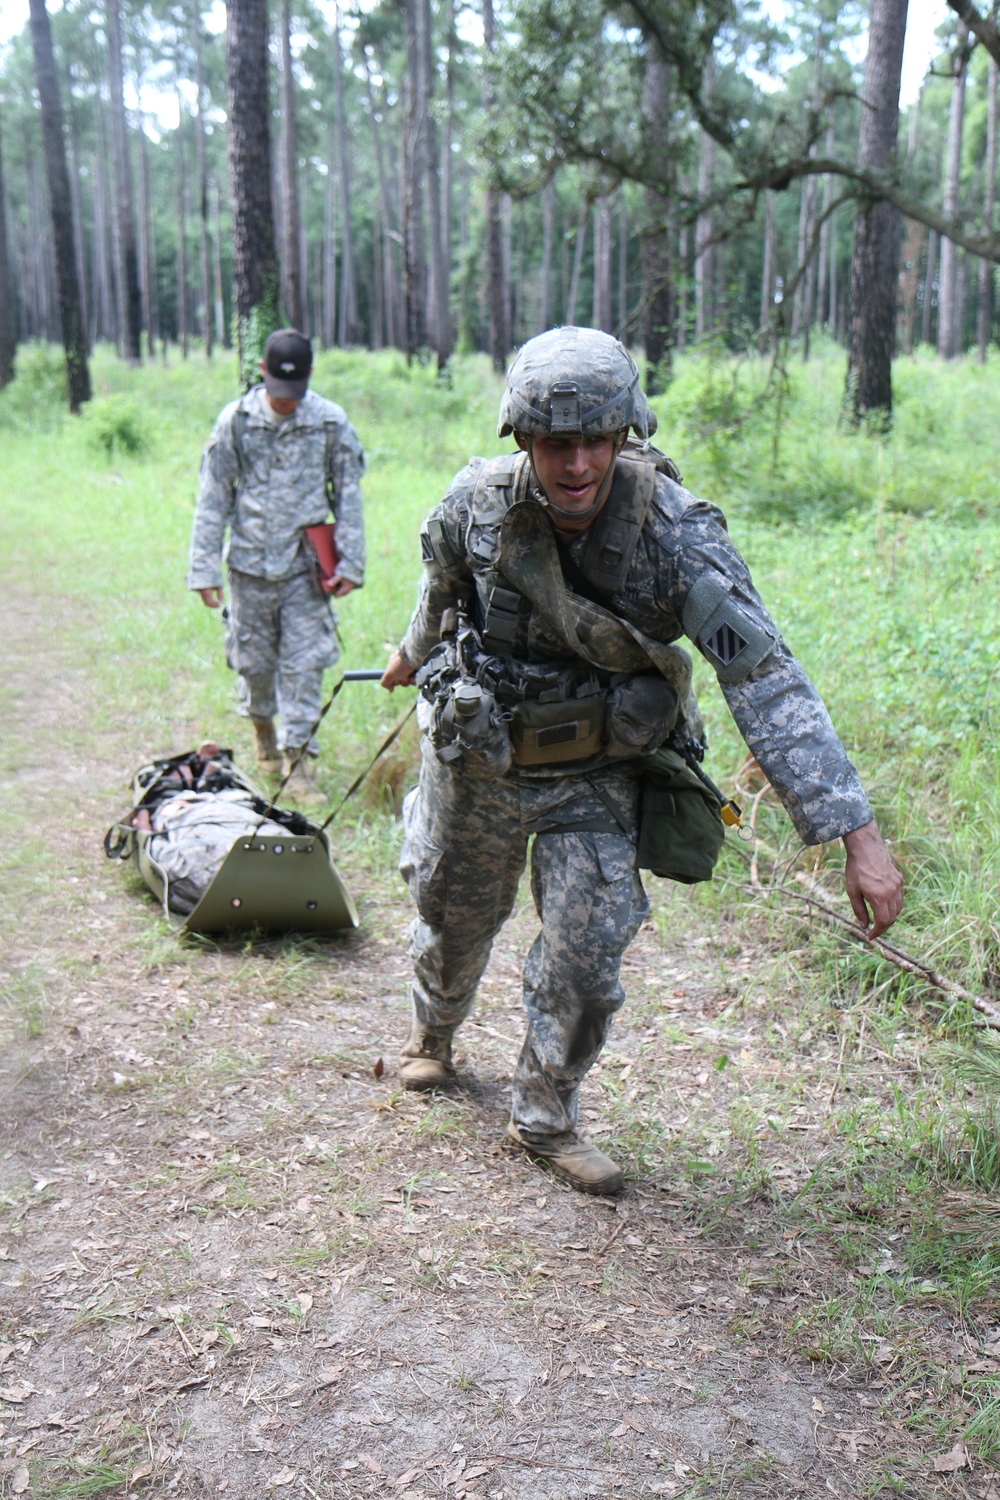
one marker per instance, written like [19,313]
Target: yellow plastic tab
[732,814]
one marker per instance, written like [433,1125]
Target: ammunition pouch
[642,713]
[680,825]
[550,733]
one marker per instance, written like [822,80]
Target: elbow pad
[724,630]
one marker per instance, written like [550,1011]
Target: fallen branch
[897,956]
[889,951]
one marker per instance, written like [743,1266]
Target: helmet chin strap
[604,489]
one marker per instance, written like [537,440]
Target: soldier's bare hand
[398,673]
[874,884]
[341,586]
[211,597]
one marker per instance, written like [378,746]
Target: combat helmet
[574,380]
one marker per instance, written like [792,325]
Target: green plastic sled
[272,882]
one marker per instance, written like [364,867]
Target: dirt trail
[234,1261]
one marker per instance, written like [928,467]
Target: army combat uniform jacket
[685,578]
[266,481]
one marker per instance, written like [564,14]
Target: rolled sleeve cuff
[828,808]
[351,572]
[204,580]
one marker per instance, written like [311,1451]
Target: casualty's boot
[575,1159]
[425,1061]
[266,745]
[301,785]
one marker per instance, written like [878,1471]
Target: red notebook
[320,542]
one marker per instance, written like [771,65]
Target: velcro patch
[726,644]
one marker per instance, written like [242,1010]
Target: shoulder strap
[331,429]
[237,432]
[615,533]
[647,454]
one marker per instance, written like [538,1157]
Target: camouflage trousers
[464,849]
[280,635]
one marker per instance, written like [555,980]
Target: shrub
[38,395]
[117,425]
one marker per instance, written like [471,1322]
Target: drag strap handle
[366,674]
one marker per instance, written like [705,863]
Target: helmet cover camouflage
[574,380]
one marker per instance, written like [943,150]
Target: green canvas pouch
[680,825]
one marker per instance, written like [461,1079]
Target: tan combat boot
[267,753]
[301,785]
[425,1061]
[575,1159]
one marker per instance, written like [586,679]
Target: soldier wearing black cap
[279,460]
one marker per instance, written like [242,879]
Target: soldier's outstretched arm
[213,512]
[778,711]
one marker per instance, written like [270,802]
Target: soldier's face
[570,469]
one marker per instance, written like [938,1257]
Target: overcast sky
[923,19]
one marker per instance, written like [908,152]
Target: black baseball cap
[288,358]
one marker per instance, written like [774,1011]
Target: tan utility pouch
[545,734]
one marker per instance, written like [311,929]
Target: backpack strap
[331,430]
[237,432]
[615,533]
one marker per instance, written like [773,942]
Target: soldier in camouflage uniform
[634,561]
[279,458]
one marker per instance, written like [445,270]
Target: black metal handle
[366,674]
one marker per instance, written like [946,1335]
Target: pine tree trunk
[289,177]
[8,318]
[448,164]
[414,176]
[961,292]
[925,323]
[517,282]
[602,317]
[123,215]
[330,250]
[307,300]
[984,311]
[909,282]
[221,327]
[440,270]
[204,253]
[573,290]
[822,277]
[621,318]
[76,208]
[70,304]
[347,329]
[684,251]
[255,269]
[658,292]
[506,222]
[875,253]
[704,250]
[386,228]
[102,301]
[948,326]
[145,249]
[767,273]
[545,282]
[496,293]
[182,276]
